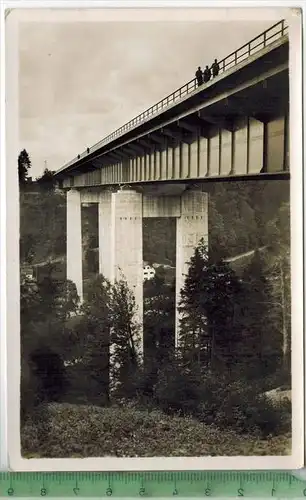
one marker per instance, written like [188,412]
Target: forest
[88,390]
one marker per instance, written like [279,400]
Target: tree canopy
[24,165]
[47,180]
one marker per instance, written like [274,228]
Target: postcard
[154,236]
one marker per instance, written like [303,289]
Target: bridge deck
[253,82]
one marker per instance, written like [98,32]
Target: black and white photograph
[157,258]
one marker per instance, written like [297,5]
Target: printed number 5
[240,492]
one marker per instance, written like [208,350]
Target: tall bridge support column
[105,232]
[74,240]
[120,242]
[191,226]
[127,255]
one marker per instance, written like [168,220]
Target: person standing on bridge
[215,68]
[207,74]
[199,76]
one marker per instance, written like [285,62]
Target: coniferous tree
[94,333]
[24,165]
[159,317]
[47,181]
[224,296]
[159,327]
[193,307]
[279,280]
[260,344]
[125,339]
[207,307]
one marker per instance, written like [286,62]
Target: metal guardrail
[269,36]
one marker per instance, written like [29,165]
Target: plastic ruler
[220,484]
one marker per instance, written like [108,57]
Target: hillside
[239,217]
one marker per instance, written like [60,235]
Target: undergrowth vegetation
[66,430]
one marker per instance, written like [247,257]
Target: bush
[139,387]
[242,408]
[36,428]
[177,392]
[218,400]
[43,379]
[83,388]
[88,431]
[29,388]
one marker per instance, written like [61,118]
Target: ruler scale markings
[43,490]
[11,489]
[76,489]
[273,491]
[159,484]
[175,491]
[241,484]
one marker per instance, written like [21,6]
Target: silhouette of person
[207,74]
[199,76]
[215,68]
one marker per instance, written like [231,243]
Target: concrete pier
[74,240]
[191,226]
[126,254]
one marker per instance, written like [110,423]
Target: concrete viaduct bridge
[233,127]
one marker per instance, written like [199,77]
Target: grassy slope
[87,431]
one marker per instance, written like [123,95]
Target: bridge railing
[269,36]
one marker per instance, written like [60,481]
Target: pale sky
[80,81]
